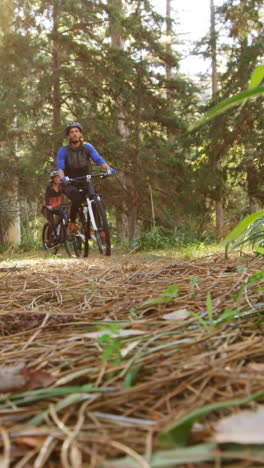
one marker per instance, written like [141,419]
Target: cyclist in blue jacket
[73,160]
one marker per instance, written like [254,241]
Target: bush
[158,238]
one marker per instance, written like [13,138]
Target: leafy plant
[110,343]
[254,90]
[131,376]
[249,231]
[209,307]
[166,296]
[160,238]
[226,316]
[256,278]
[193,282]
[179,432]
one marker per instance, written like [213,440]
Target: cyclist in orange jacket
[53,199]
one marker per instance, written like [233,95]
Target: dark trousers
[76,197]
[49,214]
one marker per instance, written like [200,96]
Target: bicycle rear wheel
[102,234]
[49,241]
[68,243]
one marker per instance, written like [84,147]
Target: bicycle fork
[91,214]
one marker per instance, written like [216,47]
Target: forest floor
[118,362]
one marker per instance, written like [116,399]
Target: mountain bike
[91,220]
[55,236]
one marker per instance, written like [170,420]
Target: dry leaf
[246,427]
[35,442]
[128,347]
[106,332]
[37,379]
[180,314]
[21,377]
[256,366]
[11,377]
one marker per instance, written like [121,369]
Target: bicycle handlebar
[87,177]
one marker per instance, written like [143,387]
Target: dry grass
[48,309]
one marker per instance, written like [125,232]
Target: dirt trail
[158,367]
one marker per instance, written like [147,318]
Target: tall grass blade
[170,458]
[184,425]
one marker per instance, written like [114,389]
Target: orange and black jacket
[52,198]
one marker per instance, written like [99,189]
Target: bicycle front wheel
[102,233]
[81,240]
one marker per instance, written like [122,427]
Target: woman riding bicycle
[73,160]
[53,198]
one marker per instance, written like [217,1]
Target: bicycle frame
[56,235]
[94,213]
[90,200]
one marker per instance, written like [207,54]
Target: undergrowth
[187,243]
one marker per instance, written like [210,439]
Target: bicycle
[56,235]
[91,220]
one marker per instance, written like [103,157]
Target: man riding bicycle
[73,160]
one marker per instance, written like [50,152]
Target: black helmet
[73,125]
[54,174]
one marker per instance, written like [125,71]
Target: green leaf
[194,282]
[130,377]
[227,104]
[257,77]
[242,226]
[200,319]
[103,339]
[227,316]
[167,295]
[171,458]
[259,249]
[171,291]
[209,307]
[157,300]
[180,434]
[182,429]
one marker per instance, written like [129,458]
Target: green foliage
[209,307]
[254,90]
[159,238]
[257,77]
[249,231]
[110,343]
[69,65]
[180,432]
[167,296]
[228,103]
[130,376]
[193,282]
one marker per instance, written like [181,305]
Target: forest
[146,353]
[115,67]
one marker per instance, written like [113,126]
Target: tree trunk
[56,123]
[127,217]
[219,204]
[252,180]
[12,234]
[171,136]
[1,229]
